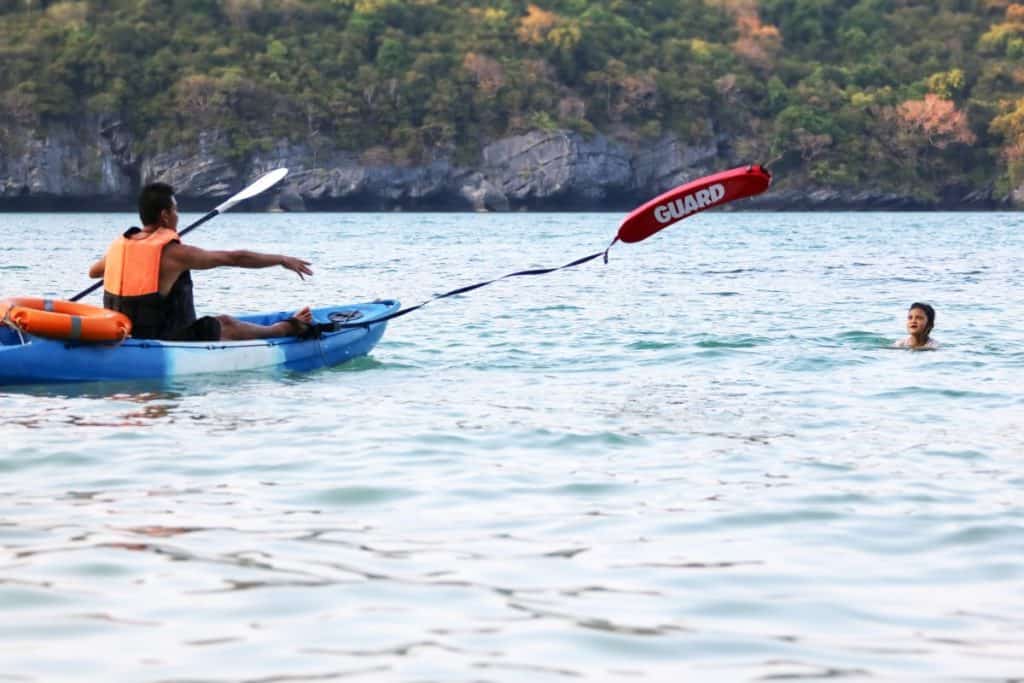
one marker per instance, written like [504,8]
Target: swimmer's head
[914,322]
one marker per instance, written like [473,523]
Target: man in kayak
[920,321]
[146,276]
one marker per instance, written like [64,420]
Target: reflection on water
[698,462]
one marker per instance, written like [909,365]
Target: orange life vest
[131,285]
[133,265]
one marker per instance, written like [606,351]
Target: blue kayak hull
[34,360]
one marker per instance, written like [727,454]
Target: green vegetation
[841,92]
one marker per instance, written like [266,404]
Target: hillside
[899,98]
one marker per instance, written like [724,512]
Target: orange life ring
[68,320]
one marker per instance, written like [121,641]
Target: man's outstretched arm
[185,257]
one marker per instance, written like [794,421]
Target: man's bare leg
[233,329]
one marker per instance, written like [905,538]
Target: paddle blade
[693,197]
[262,185]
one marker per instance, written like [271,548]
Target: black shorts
[206,328]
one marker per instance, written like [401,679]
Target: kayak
[341,334]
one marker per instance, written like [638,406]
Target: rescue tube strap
[75,333]
[468,288]
[658,213]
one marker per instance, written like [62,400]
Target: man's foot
[301,323]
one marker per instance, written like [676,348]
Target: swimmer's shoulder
[907,343]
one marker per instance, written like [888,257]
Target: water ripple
[699,461]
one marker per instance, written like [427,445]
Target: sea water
[699,461]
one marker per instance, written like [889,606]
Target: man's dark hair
[928,311]
[154,198]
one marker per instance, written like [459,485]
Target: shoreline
[202,205]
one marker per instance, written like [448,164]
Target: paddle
[262,185]
[647,219]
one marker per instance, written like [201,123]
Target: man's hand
[296,265]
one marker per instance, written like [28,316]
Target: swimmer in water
[920,321]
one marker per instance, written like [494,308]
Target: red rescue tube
[693,197]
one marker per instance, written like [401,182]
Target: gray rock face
[77,164]
[827,199]
[336,180]
[558,169]
[348,185]
[482,194]
[288,200]
[96,165]
[202,172]
[669,163]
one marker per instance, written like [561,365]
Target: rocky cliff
[89,166]
[96,165]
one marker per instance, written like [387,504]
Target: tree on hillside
[1011,127]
